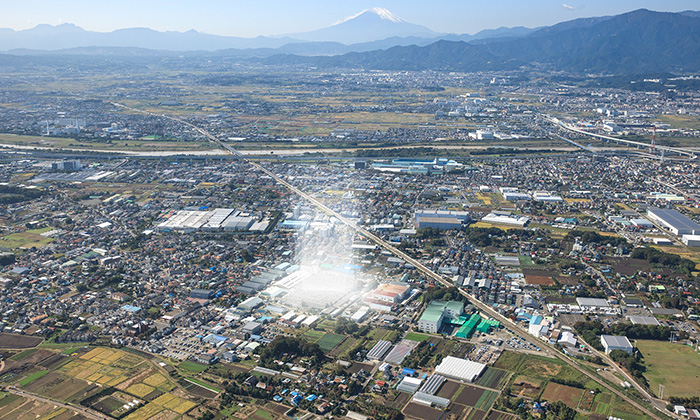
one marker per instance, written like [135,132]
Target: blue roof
[536,320]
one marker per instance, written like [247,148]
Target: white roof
[616,341]
[592,302]
[461,369]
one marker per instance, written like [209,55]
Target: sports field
[675,366]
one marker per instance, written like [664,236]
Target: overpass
[664,149]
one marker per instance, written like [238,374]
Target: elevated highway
[652,148]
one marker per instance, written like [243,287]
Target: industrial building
[616,342]
[691,240]
[504,218]
[643,320]
[674,221]
[460,369]
[440,219]
[438,312]
[211,220]
[512,194]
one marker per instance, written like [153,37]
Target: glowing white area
[326,277]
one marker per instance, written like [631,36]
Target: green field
[675,366]
[26,239]
[192,366]
[417,337]
[33,377]
[538,367]
[264,414]
[312,336]
[329,341]
[204,384]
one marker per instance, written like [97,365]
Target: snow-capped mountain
[369,25]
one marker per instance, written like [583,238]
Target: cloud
[567,7]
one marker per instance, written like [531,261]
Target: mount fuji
[369,25]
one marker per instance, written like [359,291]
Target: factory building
[674,221]
[438,312]
[440,219]
[616,342]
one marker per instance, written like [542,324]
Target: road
[675,150]
[91,414]
[549,349]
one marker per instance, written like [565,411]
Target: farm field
[329,341]
[674,366]
[26,239]
[121,377]
[492,378]
[14,341]
[538,367]
[416,337]
[566,394]
[14,407]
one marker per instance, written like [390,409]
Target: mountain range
[371,29]
[640,41]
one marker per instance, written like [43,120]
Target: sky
[245,18]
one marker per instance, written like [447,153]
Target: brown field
[54,361]
[67,389]
[477,415]
[14,341]
[45,383]
[498,415]
[448,389]
[421,412]
[540,280]
[524,386]
[469,396]
[566,394]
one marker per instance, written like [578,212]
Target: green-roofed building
[438,312]
[487,324]
[468,328]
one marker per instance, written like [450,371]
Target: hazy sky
[248,18]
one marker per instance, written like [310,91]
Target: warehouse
[440,219]
[643,320]
[691,240]
[616,342]
[506,219]
[674,221]
[591,303]
[460,369]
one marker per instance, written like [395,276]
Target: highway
[548,349]
[672,150]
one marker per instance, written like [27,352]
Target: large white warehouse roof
[462,369]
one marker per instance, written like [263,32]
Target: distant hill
[636,42]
